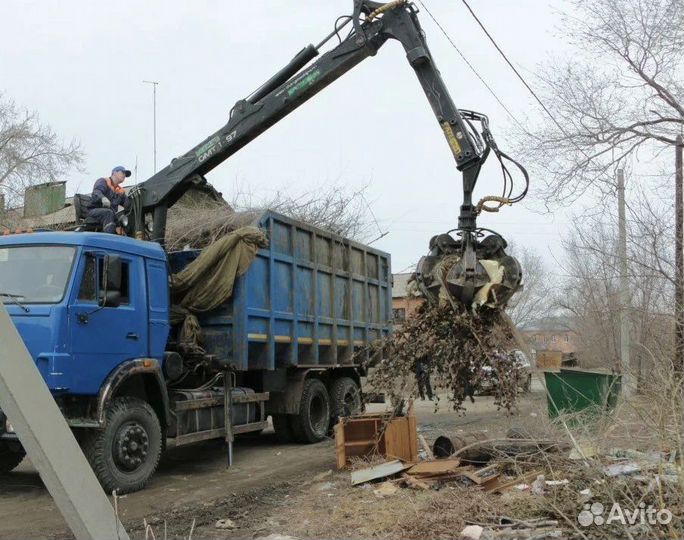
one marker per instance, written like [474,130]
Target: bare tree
[590,291]
[342,210]
[533,301]
[30,151]
[622,91]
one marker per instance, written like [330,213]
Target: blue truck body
[289,343]
[310,299]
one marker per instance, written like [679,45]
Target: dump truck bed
[312,298]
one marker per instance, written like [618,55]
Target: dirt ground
[271,488]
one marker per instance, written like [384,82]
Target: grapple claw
[470,272]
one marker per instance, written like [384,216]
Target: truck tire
[10,457]
[311,424]
[345,395]
[281,425]
[125,454]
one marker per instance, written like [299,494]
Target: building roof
[400,286]
[66,217]
[61,218]
[554,323]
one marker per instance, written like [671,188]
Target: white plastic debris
[621,469]
[472,532]
[557,482]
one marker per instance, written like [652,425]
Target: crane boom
[294,85]
[309,72]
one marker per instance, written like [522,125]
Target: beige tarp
[208,281]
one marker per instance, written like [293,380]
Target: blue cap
[121,168]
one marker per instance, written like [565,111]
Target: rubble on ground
[534,478]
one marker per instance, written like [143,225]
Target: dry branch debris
[454,347]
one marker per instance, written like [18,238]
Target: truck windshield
[35,274]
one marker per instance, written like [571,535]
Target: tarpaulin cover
[208,281]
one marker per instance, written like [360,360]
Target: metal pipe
[298,62]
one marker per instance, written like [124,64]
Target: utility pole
[624,284]
[679,259]
[154,113]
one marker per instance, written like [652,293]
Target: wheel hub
[318,416]
[131,446]
[349,403]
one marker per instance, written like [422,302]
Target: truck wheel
[346,398]
[10,456]
[281,425]
[311,424]
[125,454]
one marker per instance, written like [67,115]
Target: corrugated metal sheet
[43,199]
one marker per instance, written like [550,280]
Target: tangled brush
[454,346]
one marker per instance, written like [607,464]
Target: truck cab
[85,303]
[93,312]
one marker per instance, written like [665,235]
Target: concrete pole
[624,285]
[679,259]
[50,444]
[154,118]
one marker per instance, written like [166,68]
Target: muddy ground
[271,487]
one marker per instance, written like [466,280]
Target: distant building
[404,300]
[551,334]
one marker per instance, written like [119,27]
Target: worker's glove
[106,203]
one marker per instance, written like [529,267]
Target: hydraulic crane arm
[470,278]
[373,24]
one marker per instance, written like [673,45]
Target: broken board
[437,467]
[377,471]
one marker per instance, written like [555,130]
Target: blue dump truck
[94,311]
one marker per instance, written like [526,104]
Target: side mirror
[111,299]
[112,273]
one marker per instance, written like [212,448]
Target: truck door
[101,338]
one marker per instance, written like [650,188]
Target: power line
[529,88]
[522,79]
[469,64]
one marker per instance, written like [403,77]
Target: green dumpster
[581,391]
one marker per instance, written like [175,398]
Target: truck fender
[124,372]
[287,402]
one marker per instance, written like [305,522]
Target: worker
[468,388]
[423,378]
[107,196]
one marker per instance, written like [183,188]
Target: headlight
[124,221]
[9,428]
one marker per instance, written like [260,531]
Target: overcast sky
[80,64]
